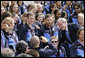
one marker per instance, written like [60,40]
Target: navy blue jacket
[48,32]
[46,52]
[23,29]
[74,48]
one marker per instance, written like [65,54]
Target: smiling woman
[10,37]
[14,8]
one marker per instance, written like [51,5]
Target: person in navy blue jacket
[67,33]
[74,15]
[27,30]
[77,48]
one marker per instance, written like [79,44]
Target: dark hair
[6,14]
[30,7]
[21,46]
[29,14]
[63,13]
[77,4]
[51,6]
[56,11]
[6,52]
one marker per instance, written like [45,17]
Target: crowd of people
[42,29]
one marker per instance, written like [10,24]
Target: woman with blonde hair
[81,19]
[8,35]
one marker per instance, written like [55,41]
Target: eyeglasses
[54,41]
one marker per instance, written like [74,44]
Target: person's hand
[46,47]
[37,27]
[43,39]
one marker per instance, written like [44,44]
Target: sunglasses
[54,41]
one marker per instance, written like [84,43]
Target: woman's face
[77,9]
[15,8]
[40,18]
[81,35]
[58,14]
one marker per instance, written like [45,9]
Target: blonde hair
[62,20]
[54,37]
[81,15]
[7,21]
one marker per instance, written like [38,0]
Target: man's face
[31,19]
[24,19]
[62,25]
[81,35]
[81,20]
[55,42]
